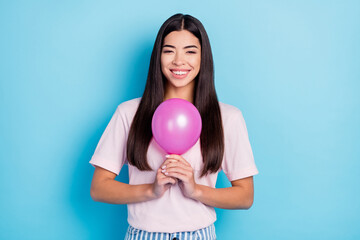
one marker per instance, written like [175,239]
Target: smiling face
[180,60]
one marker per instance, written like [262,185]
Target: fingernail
[163,167]
[166,173]
[167,156]
[163,170]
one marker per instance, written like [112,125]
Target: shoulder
[127,110]
[229,112]
[233,121]
[128,107]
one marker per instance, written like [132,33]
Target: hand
[161,184]
[177,167]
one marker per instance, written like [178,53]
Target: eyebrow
[190,46]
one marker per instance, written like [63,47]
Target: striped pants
[207,233]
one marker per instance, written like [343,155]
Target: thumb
[172,180]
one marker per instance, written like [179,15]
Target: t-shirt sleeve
[238,159]
[110,152]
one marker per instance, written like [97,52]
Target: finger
[179,158]
[167,180]
[163,177]
[160,174]
[177,165]
[179,176]
[172,180]
[167,161]
[174,171]
[177,170]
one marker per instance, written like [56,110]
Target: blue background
[292,67]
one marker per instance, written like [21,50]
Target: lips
[179,73]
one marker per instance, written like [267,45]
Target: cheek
[164,61]
[162,65]
[196,63]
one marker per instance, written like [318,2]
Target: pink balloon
[176,125]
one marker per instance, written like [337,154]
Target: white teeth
[179,72]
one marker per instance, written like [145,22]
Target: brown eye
[191,52]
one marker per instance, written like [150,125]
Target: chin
[180,84]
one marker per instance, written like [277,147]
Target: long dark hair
[205,100]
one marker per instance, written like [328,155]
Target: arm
[104,188]
[239,196]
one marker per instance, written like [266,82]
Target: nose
[178,59]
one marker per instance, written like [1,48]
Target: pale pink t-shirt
[173,212]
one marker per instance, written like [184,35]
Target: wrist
[197,192]
[150,193]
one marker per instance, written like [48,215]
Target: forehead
[180,38]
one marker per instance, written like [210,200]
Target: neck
[186,93]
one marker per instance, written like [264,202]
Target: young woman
[173,196]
